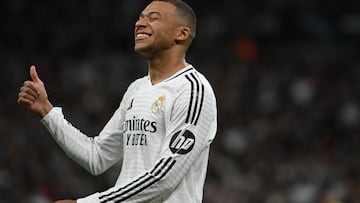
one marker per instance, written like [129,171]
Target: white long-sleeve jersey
[161,132]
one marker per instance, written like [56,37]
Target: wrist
[46,109]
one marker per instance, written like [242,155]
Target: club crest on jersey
[182,143]
[158,105]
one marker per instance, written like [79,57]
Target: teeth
[142,35]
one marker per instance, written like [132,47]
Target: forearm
[77,145]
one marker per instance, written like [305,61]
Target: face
[156,28]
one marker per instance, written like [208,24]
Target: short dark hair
[184,11]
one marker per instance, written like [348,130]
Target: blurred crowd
[286,75]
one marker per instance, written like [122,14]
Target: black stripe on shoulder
[201,103]
[191,98]
[196,98]
[179,74]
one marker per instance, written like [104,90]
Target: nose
[141,22]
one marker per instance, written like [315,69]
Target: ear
[183,34]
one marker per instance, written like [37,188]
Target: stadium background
[286,74]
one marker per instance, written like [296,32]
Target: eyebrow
[150,14]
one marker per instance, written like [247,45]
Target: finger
[31,85]
[24,101]
[33,74]
[27,96]
[30,91]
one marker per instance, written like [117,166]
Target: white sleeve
[190,130]
[94,154]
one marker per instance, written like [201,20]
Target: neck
[161,68]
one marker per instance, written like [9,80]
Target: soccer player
[163,127]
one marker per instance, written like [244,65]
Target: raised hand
[33,95]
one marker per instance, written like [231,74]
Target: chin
[144,51]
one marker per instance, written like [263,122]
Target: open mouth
[140,36]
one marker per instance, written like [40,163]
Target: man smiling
[163,127]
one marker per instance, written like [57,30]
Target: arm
[184,142]
[94,154]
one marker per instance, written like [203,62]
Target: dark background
[286,74]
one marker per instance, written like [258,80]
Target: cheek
[166,37]
[166,31]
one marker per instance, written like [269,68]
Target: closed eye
[154,15]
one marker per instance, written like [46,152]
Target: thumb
[34,75]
